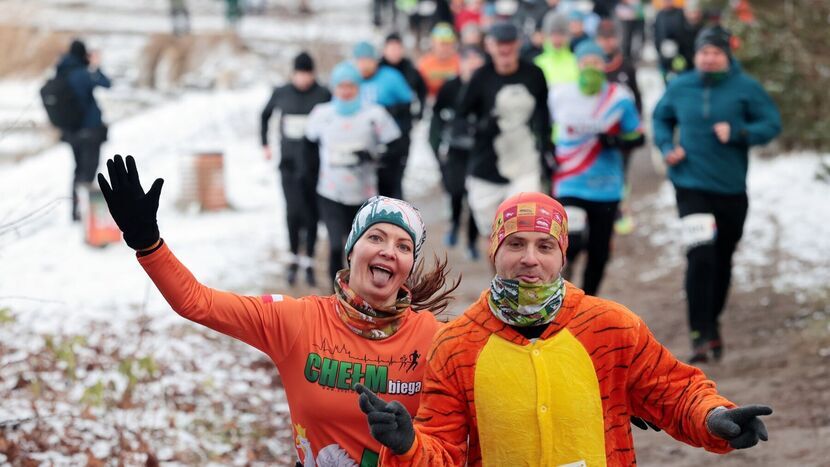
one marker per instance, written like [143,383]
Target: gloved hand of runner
[643,424]
[363,156]
[740,426]
[132,209]
[609,141]
[389,422]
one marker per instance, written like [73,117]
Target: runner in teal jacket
[695,104]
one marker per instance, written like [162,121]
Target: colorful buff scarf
[521,304]
[361,318]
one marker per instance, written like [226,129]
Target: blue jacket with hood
[82,81]
[695,105]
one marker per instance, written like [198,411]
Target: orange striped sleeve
[675,396]
[270,323]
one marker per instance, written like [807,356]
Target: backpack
[61,103]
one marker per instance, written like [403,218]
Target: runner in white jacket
[351,136]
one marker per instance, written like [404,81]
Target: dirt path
[774,345]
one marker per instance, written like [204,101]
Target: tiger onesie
[492,397]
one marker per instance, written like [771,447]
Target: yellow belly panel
[539,404]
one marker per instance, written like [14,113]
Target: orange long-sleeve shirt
[492,397]
[318,357]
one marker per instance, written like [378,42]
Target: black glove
[740,426]
[132,209]
[616,141]
[609,141]
[643,424]
[363,156]
[389,423]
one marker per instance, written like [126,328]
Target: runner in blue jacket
[719,112]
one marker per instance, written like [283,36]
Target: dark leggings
[300,211]
[390,172]
[595,241]
[86,148]
[457,208]
[338,220]
[709,270]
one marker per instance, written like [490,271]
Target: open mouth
[381,275]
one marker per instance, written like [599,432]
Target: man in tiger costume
[538,373]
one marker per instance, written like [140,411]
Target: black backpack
[61,103]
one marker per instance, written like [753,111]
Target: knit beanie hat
[303,62]
[364,49]
[77,49]
[380,209]
[443,32]
[529,212]
[345,71]
[716,36]
[555,23]
[586,48]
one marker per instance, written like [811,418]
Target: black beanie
[716,36]
[78,49]
[303,62]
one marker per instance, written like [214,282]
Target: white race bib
[293,126]
[580,463]
[343,155]
[698,229]
[577,219]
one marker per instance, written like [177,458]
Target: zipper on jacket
[706,92]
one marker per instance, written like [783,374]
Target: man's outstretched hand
[389,422]
[740,426]
[132,209]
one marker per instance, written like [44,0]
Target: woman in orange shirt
[374,330]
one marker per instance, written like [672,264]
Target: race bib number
[577,219]
[343,159]
[698,229]
[293,126]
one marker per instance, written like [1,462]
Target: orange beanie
[529,212]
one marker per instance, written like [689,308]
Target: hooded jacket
[83,82]
[694,105]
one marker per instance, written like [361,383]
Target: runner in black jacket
[451,138]
[299,160]
[508,98]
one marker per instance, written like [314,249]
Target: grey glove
[389,423]
[740,426]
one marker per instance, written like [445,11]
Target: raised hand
[133,210]
[740,426]
[389,422]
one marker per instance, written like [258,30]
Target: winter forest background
[96,369]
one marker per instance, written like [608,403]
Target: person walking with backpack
[82,126]
[720,112]
[299,161]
